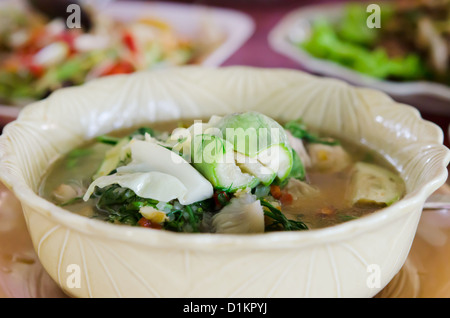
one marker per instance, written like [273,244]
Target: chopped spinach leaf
[299,130]
[280,221]
[109,140]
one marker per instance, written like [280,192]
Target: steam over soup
[240,173]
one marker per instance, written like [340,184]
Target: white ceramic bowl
[354,259]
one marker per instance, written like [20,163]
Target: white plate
[233,26]
[426,96]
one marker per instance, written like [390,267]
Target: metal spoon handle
[437,202]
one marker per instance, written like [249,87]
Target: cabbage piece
[213,155]
[215,159]
[278,158]
[374,185]
[254,167]
[113,158]
[181,138]
[244,214]
[148,156]
[258,136]
[150,185]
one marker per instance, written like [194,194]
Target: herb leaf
[299,130]
[280,220]
[109,140]
[122,205]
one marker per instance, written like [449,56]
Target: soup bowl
[93,258]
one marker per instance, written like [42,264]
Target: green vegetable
[213,157]
[298,168]
[374,185]
[346,218]
[193,218]
[223,198]
[258,136]
[122,205]
[298,171]
[353,26]
[349,48]
[117,155]
[119,204]
[188,218]
[299,130]
[251,132]
[16,87]
[71,201]
[255,168]
[113,158]
[280,220]
[109,140]
[69,69]
[142,131]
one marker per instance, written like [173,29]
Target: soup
[240,173]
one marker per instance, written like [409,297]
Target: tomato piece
[147,223]
[33,45]
[69,38]
[36,70]
[275,191]
[144,222]
[129,41]
[24,62]
[121,67]
[221,198]
[286,198]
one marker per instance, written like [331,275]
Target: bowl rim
[205,241]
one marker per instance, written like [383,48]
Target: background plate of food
[39,54]
[408,56]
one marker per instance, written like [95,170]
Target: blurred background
[49,44]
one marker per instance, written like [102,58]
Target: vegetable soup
[239,173]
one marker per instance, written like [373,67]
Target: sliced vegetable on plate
[412,42]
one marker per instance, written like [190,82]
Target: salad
[39,55]
[412,43]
